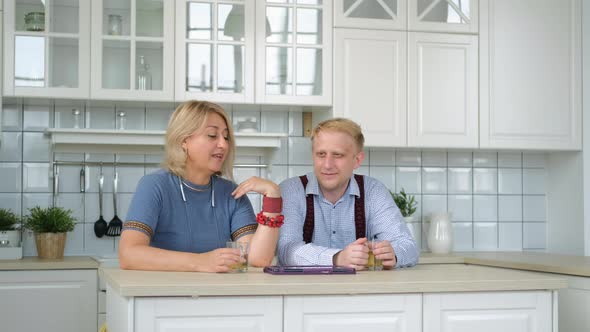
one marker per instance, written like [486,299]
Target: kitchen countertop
[530,261]
[35,263]
[425,278]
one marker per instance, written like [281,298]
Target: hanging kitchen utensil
[100,226]
[83,179]
[115,225]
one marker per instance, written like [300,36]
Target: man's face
[335,157]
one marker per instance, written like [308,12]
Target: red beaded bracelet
[270,221]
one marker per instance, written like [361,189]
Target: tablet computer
[309,269]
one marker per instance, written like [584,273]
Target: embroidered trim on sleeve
[248,229]
[139,226]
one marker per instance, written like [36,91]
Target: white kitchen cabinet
[221,314]
[215,50]
[132,50]
[443,93]
[530,311]
[49,301]
[574,305]
[370,83]
[441,84]
[371,14]
[47,48]
[443,16]
[216,42]
[344,313]
[294,52]
[530,74]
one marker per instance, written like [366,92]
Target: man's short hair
[341,125]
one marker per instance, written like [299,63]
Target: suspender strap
[309,214]
[359,210]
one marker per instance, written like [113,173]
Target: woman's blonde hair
[189,117]
[341,125]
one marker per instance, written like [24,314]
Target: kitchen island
[428,297]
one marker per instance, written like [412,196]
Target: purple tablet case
[309,269]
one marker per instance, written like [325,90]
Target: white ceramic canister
[440,234]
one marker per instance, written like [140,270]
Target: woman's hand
[221,260]
[259,185]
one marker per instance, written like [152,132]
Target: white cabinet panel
[402,312]
[442,83]
[489,312]
[132,50]
[47,48]
[370,83]
[530,74]
[222,314]
[52,301]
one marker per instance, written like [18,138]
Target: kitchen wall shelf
[147,142]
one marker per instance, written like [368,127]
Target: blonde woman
[182,215]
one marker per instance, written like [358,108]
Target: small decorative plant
[50,220]
[9,221]
[406,203]
[50,226]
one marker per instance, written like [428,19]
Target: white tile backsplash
[485,180]
[510,159]
[12,117]
[485,236]
[37,118]
[533,181]
[460,181]
[381,157]
[409,179]
[497,200]
[36,147]
[509,181]
[11,146]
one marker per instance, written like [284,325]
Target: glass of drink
[242,265]
[374,263]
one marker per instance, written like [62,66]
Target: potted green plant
[9,229]
[406,203]
[50,226]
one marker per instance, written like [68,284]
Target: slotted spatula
[115,225]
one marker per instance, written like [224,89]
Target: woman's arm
[135,253]
[264,241]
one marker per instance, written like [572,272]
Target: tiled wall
[498,200]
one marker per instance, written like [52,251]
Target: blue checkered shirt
[334,226]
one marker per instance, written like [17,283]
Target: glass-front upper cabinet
[215,50]
[371,14]
[443,15]
[294,52]
[47,48]
[132,50]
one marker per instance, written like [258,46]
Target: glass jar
[35,21]
[121,120]
[144,77]
[115,26]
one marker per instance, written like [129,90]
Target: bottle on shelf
[144,77]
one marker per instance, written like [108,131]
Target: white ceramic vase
[440,234]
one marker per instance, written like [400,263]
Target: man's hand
[355,255]
[384,251]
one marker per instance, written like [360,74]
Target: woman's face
[207,146]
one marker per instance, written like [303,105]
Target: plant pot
[409,219]
[50,245]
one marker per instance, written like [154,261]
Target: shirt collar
[313,187]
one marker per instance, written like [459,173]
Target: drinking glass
[374,264]
[242,265]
